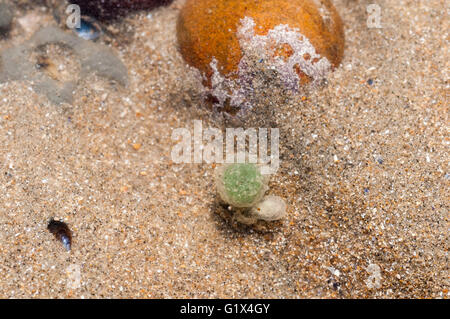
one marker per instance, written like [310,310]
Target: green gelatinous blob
[243,183]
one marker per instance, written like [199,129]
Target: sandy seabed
[364,171]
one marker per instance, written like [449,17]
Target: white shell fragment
[270,208]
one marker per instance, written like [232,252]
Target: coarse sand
[364,172]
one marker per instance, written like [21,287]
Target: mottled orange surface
[207,29]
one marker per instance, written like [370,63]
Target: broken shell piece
[88,30]
[270,208]
[61,232]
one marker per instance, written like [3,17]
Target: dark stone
[6,16]
[112,9]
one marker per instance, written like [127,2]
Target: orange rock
[225,40]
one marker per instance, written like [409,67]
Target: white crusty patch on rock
[258,54]
[223,88]
[262,47]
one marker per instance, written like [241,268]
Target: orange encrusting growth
[208,29]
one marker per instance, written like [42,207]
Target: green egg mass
[243,184]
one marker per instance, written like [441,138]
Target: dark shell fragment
[62,232]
